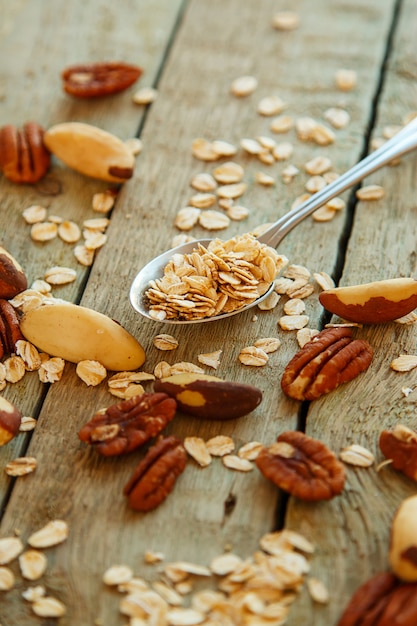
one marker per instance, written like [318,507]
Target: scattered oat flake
[69,231]
[250,450]
[224,148]
[404,363]
[35,213]
[202,200]
[225,563]
[103,201]
[51,370]
[324,280]
[187,568]
[94,239]
[337,117]
[271,105]
[357,455]
[53,533]
[33,564]
[48,607]
[251,146]
[92,373]
[243,86]
[410,318]
[237,212]
[322,135]
[253,356]
[270,302]
[197,449]
[282,124]
[145,95]
[10,548]
[345,79]
[268,344]
[211,359]
[184,617]
[153,557]
[295,306]
[220,445]
[264,179]
[165,342]
[203,150]
[285,20]
[185,367]
[336,204]
[58,275]
[370,192]
[43,231]
[7,579]
[187,217]
[117,575]
[324,214]
[31,594]
[228,173]
[213,220]
[21,466]
[232,191]
[84,255]
[317,590]
[203,182]
[27,424]
[235,462]
[293,322]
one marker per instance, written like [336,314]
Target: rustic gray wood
[211,507]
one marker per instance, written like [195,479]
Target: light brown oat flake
[243,86]
[92,373]
[197,449]
[29,354]
[34,213]
[134,144]
[250,450]
[128,384]
[21,466]
[43,231]
[224,564]
[315,183]
[304,335]
[184,367]
[42,286]
[357,455]
[252,356]
[324,280]
[268,344]
[165,342]
[293,322]
[48,607]
[370,192]
[237,212]
[84,255]
[322,135]
[203,182]
[235,462]
[317,590]
[162,370]
[51,370]
[69,231]
[264,179]
[224,148]
[270,302]
[170,595]
[59,275]
[187,217]
[10,548]
[93,240]
[251,146]
[304,127]
[404,363]
[318,165]
[184,617]
[295,272]
[213,220]
[285,20]
[337,117]
[336,204]
[117,575]
[298,290]
[145,95]
[202,200]
[7,579]
[31,594]
[324,214]
[282,124]
[174,569]
[229,173]
[410,318]
[150,557]
[345,79]
[295,306]
[271,105]
[203,150]
[178,240]
[103,202]
[266,157]
[33,564]
[282,151]
[329,177]
[220,445]
[289,173]
[232,191]
[27,424]
[53,533]
[210,359]
[14,369]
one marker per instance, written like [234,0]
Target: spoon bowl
[403,142]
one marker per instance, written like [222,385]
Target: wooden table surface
[191,51]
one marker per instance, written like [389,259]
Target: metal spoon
[403,142]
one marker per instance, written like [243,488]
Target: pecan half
[382,601]
[23,155]
[400,445]
[9,328]
[125,426]
[99,79]
[302,466]
[331,358]
[155,476]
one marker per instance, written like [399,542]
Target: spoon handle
[404,141]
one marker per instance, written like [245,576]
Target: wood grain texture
[211,507]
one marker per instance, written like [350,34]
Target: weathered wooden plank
[35,47]
[194,100]
[381,245]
